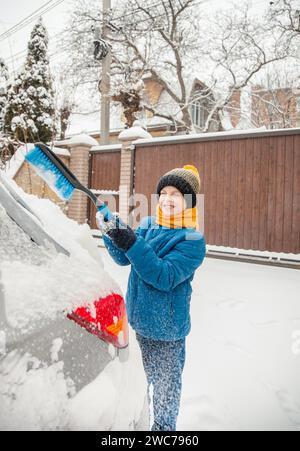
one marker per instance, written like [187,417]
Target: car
[54,373]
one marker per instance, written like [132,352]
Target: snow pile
[82,139]
[134,133]
[38,390]
[40,282]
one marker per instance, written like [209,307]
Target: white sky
[14,49]
[13,11]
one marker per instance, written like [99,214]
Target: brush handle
[99,204]
[104,210]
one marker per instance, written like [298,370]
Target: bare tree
[243,47]
[276,96]
[285,14]
[147,39]
[65,103]
[172,42]
[8,147]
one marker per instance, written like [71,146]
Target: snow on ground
[243,354]
[243,358]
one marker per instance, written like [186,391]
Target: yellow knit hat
[186,180]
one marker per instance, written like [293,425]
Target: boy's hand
[120,233]
[121,237]
[103,225]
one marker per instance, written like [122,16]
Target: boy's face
[171,201]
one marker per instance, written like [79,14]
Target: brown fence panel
[251,185]
[296,193]
[104,175]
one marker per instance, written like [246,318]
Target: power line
[149,9]
[127,15]
[20,54]
[10,30]
[33,16]
[52,55]
[163,14]
[24,22]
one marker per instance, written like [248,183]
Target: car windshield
[16,246]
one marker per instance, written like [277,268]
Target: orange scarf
[187,218]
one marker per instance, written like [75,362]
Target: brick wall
[125,180]
[79,165]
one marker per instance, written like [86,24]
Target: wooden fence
[104,175]
[250,182]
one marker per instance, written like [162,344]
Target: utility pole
[105,81]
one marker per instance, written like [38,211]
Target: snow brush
[59,177]
[106,317]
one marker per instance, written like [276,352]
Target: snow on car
[53,373]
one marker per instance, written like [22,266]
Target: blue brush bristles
[50,173]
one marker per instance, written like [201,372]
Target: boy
[164,253]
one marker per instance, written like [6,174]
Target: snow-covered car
[54,374]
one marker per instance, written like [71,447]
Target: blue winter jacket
[163,262]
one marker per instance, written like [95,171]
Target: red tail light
[106,318]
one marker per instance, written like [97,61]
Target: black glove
[119,232]
[122,237]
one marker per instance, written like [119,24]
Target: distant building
[248,108]
[277,108]
[257,107]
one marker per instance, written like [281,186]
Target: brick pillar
[127,137]
[79,165]
[80,147]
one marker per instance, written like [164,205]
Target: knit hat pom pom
[190,167]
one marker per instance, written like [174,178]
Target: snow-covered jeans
[163,363]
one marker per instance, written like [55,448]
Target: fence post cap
[133,133]
[79,140]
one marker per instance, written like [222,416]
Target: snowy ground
[243,354]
